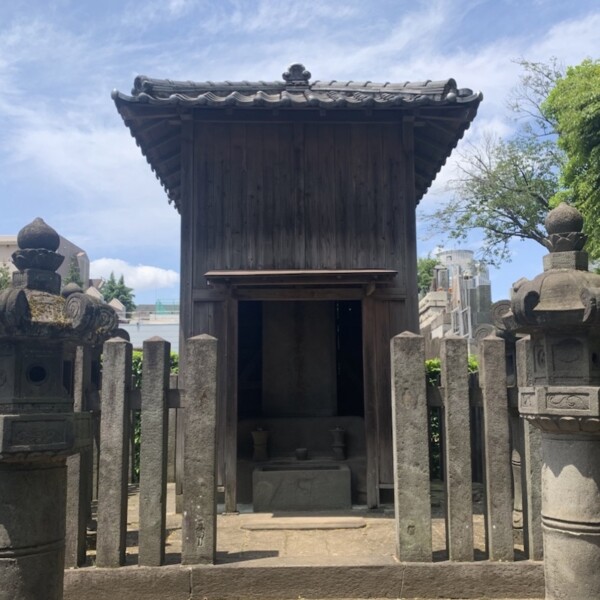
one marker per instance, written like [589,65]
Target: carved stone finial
[37,259]
[297,75]
[563,219]
[38,234]
[564,225]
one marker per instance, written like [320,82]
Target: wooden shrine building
[298,252]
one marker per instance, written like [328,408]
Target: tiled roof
[443,110]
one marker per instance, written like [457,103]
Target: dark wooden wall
[301,195]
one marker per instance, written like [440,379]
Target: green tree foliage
[74,274]
[574,106]
[504,188]
[5,277]
[117,289]
[425,266]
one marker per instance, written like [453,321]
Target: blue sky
[66,156]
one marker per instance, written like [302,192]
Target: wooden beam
[370,399]
[231,405]
[298,294]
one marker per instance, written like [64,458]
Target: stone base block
[301,487]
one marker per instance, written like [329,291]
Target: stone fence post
[559,309]
[199,524]
[38,427]
[412,501]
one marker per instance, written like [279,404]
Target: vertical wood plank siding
[298,196]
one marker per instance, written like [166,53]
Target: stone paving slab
[291,563]
[304,523]
[366,536]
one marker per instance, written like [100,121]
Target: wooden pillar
[370,398]
[188,210]
[231,407]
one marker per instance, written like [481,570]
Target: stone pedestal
[571,515]
[32,515]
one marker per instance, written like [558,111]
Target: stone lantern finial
[37,259]
[565,239]
[560,309]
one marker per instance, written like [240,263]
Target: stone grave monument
[38,428]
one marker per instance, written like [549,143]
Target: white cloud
[61,133]
[138,277]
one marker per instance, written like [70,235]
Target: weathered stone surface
[457,449]
[38,428]
[114,454]
[301,488]
[79,468]
[532,461]
[441,580]
[571,515]
[38,235]
[411,449]
[559,308]
[498,476]
[128,583]
[199,490]
[153,451]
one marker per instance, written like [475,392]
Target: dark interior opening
[348,358]
[249,359]
[350,390]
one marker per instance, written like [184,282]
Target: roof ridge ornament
[297,76]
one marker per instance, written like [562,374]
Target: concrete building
[459,300]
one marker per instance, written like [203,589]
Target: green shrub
[137,362]
[433,371]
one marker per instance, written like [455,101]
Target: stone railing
[103,471]
[476,417]
[464,406]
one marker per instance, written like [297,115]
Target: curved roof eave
[153,102]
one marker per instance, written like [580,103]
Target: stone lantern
[560,309]
[38,428]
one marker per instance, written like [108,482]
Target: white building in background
[8,244]
[459,301]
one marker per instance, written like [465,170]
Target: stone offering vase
[260,439]
[339,443]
